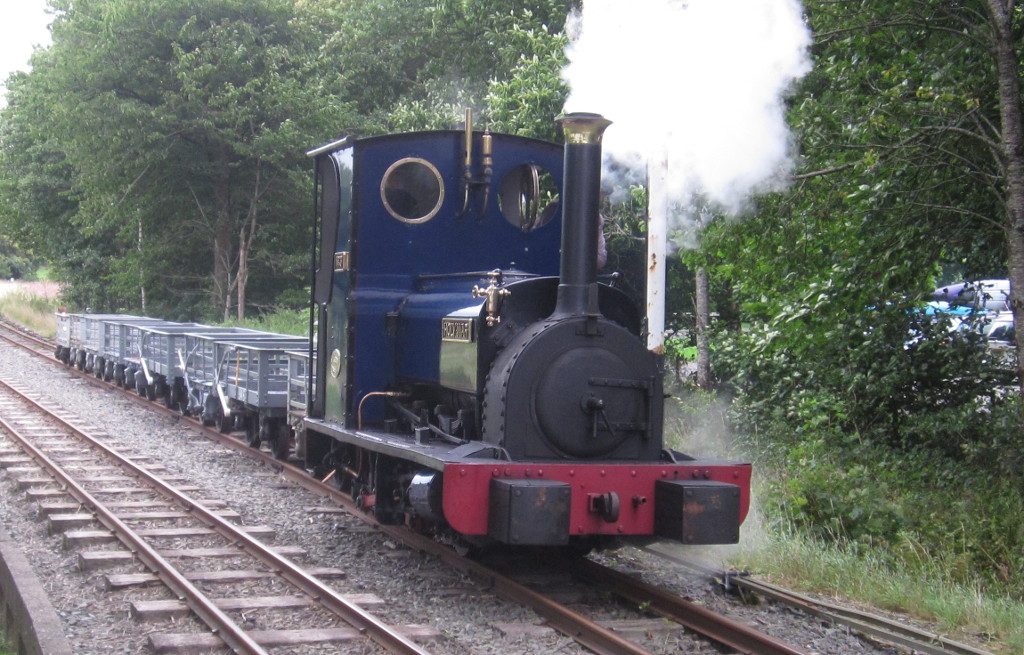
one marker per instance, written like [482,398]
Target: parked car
[980,294]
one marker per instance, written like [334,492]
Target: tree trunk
[1012,135]
[245,237]
[220,296]
[242,278]
[142,271]
[703,315]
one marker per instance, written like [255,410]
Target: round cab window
[412,190]
[528,197]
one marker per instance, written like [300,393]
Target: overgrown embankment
[281,321]
[31,304]
[931,528]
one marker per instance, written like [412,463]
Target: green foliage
[677,348]
[961,514]
[888,431]
[14,264]
[281,321]
[151,131]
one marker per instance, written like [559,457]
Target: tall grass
[32,311]
[923,589]
[283,321]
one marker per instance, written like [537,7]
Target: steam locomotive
[472,374]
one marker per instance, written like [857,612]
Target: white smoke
[699,84]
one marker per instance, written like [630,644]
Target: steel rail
[230,632]
[4,325]
[872,625]
[717,627]
[593,636]
[356,616]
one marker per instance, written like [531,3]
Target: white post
[657,252]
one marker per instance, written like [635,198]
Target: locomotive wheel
[119,375]
[140,385]
[151,391]
[98,366]
[170,398]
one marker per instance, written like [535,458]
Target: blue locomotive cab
[422,244]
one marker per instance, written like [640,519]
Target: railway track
[572,623]
[872,625]
[80,481]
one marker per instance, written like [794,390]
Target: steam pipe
[581,222]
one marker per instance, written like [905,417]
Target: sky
[23,24]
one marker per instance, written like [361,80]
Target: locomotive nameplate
[457,329]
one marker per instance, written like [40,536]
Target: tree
[934,116]
[183,124]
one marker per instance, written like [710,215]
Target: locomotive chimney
[581,223]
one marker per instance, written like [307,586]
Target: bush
[282,321]
[886,432]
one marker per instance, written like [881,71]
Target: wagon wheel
[225,423]
[170,398]
[252,431]
[98,366]
[151,391]
[183,399]
[281,443]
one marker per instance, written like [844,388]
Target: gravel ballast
[415,589]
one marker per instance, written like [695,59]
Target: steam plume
[699,84]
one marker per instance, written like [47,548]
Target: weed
[32,311]
[281,321]
[922,587]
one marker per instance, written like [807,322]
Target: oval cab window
[528,197]
[412,190]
